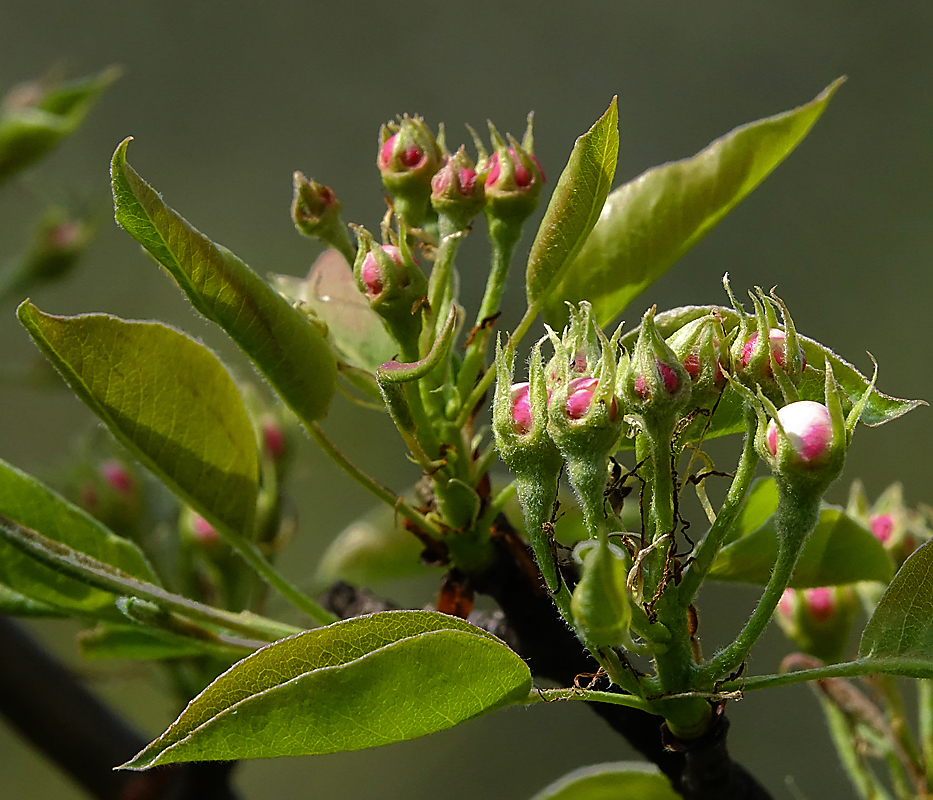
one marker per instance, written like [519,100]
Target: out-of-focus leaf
[15,604]
[355,332]
[574,206]
[899,635]
[167,398]
[840,550]
[625,780]
[126,641]
[34,505]
[70,563]
[374,548]
[285,346]
[360,683]
[729,416]
[650,222]
[761,503]
[36,116]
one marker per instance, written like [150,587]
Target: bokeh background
[226,100]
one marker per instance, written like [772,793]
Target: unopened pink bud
[668,376]
[204,532]
[371,270]
[786,604]
[117,476]
[882,525]
[273,439]
[777,337]
[410,157]
[820,603]
[580,396]
[521,408]
[521,174]
[809,429]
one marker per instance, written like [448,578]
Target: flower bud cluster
[775,362]
[900,529]
[701,348]
[818,620]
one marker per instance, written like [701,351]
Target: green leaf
[729,417]
[93,572]
[759,505]
[360,683]
[127,641]
[34,505]
[355,332]
[18,605]
[899,635]
[167,398]
[574,206]
[650,222]
[624,780]
[374,548]
[284,345]
[840,550]
[40,114]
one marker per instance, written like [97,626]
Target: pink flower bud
[580,398]
[117,476]
[809,429]
[668,377]
[882,525]
[820,603]
[777,337]
[785,605]
[373,278]
[407,157]
[462,180]
[204,532]
[273,439]
[521,408]
[521,175]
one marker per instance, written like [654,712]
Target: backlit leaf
[574,206]
[284,345]
[29,502]
[899,634]
[167,398]
[648,223]
[625,780]
[360,683]
[840,550]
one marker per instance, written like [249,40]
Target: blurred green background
[226,100]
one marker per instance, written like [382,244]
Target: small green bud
[601,608]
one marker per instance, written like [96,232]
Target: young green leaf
[574,206]
[15,604]
[167,398]
[29,502]
[41,114]
[360,683]
[761,503]
[355,332]
[624,780]
[840,550]
[284,345]
[650,222]
[900,632]
[371,549]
